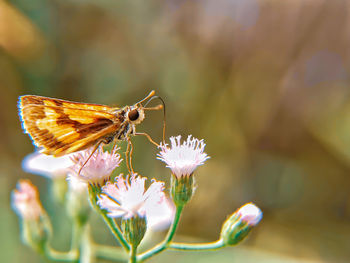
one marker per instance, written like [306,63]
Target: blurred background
[264,82]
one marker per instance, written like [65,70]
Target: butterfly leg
[148,137]
[114,145]
[93,151]
[128,157]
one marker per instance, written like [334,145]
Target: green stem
[165,244]
[174,225]
[93,194]
[115,230]
[77,234]
[87,254]
[52,254]
[110,253]
[199,246]
[133,252]
[73,254]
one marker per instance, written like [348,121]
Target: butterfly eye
[133,115]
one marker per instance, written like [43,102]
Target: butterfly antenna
[158,107]
[147,97]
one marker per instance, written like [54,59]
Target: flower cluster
[126,197]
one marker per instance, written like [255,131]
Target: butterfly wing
[61,127]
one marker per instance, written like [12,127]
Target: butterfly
[60,127]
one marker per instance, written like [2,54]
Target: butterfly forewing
[61,127]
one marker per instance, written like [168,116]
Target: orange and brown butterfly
[61,127]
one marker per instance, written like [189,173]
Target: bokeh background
[264,82]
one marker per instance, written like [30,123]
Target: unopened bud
[239,224]
[36,227]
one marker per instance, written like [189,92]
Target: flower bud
[182,189]
[239,224]
[134,229]
[36,227]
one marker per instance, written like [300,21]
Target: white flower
[47,165]
[127,197]
[250,213]
[98,168]
[25,201]
[183,158]
[162,217]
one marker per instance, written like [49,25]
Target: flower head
[98,168]
[250,214]
[25,201]
[183,158]
[127,197]
[47,165]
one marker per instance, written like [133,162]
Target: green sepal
[134,229]
[234,230]
[182,189]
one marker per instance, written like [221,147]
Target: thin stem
[109,221]
[87,254]
[115,230]
[53,254]
[133,252]
[73,254]
[77,233]
[165,244]
[174,225]
[110,253]
[199,246]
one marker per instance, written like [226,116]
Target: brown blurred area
[264,82]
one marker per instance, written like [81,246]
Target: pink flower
[127,197]
[25,201]
[47,165]
[183,158]
[250,213]
[99,167]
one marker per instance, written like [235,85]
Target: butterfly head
[136,114]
